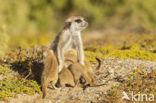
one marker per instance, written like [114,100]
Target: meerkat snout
[86,24]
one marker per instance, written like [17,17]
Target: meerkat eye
[78,20]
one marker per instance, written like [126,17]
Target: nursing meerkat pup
[78,70]
[50,71]
[71,57]
[71,75]
[69,37]
[66,78]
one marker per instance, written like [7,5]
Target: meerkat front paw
[60,67]
[66,65]
[82,63]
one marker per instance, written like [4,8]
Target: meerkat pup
[69,37]
[50,71]
[78,70]
[71,75]
[71,57]
[66,78]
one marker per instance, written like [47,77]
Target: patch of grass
[28,64]
[4,69]
[91,55]
[135,52]
[139,82]
[10,86]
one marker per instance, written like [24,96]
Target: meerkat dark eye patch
[78,20]
[68,24]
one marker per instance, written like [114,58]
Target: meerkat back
[50,71]
[78,70]
[50,64]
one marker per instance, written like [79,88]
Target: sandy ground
[113,72]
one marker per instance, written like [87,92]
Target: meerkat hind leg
[53,86]
[77,83]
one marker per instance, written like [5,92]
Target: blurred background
[30,22]
[42,16]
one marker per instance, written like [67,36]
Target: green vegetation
[125,46]
[27,63]
[5,69]
[33,16]
[135,52]
[139,82]
[11,86]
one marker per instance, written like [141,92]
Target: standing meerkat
[50,71]
[69,37]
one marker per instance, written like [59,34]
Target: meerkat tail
[99,65]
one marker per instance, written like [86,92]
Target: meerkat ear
[68,24]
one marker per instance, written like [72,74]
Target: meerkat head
[76,23]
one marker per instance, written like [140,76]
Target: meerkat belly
[68,44]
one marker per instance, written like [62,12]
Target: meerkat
[78,70]
[50,71]
[71,75]
[69,37]
[71,57]
[66,78]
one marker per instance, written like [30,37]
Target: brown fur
[50,71]
[71,57]
[78,69]
[66,78]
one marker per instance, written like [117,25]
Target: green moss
[10,86]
